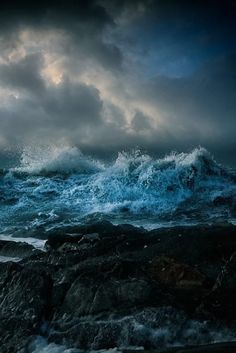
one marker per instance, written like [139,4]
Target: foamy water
[9,258]
[157,328]
[54,188]
[57,187]
[37,243]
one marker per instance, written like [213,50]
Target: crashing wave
[53,159]
[135,187]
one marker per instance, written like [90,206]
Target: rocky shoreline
[101,286]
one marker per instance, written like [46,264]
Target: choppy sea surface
[54,189]
[59,187]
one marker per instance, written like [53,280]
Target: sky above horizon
[112,75]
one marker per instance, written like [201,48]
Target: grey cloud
[188,111]
[74,103]
[91,47]
[114,114]
[206,96]
[83,21]
[199,109]
[23,74]
[141,122]
[61,13]
[67,110]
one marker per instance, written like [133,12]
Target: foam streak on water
[60,186]
[155,328]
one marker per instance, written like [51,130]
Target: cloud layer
[107,75]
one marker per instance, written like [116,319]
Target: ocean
[59,188]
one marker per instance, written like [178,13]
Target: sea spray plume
[53,159]
[55,187]
[141,184]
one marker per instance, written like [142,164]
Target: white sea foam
[9,258]
[157,328]
[61,186]
[40,345]
[51,159]
[37,243]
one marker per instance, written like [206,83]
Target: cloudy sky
[109,75]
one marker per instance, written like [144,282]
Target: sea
[55,188]
[58,188]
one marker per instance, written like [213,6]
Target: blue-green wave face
[60,187]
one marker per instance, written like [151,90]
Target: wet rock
[103,230]
[227,347]
[176,275]
[56,240]
[186,285]
[148,329]
[93,282]
[17,249]
[93,296]
[202,247]
[221,300]
[24,304]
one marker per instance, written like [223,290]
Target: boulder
[221,300]
[90,296]
[176,275]
[17,249]
[102,286]
[24,304]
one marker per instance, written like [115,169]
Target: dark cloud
[74,105]
[199,109]
[83,21]
[109,75]
[141,122]
[61,12]
[24,74]
[70,110]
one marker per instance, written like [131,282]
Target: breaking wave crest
[53,159]
[54,186]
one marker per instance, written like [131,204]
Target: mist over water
[55,187]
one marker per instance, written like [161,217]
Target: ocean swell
[53,187]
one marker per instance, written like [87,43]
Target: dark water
[55,188]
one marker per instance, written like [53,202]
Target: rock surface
[101,286]
[16,249]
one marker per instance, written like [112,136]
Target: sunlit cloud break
[107,76]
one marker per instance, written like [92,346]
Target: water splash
[53,159]
[60,186]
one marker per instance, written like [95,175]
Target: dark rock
[102,229]
[24,303]
[227,347]
[176,275]
[151,328]
[17,249]
[93,296]
[100,286]
[56,240]
[202,247]
[186,284]
[221,300]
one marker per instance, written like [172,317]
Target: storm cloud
[112,75]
